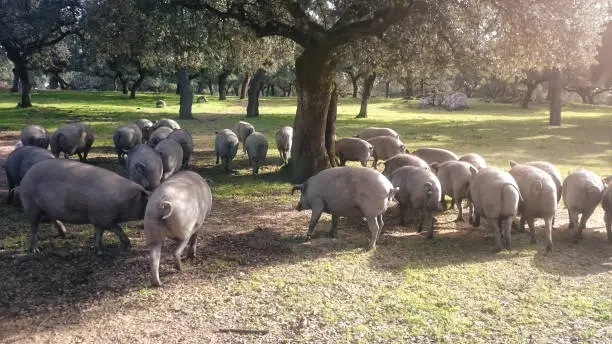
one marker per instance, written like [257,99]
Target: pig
[171,154]
[19,144]
[177,209]
[146,128]
[226,147]
[72,138]
[475,159]
[349,192]
[385,147]
[35,135]
[243,129]
[539,194]
[401,160]
[353,149]
[549,168]
[606,204]
[19,162]
[158,135]
[370,132]
[420,191]
[144,166]
[257,148]
[166,122]
[431,155]
[582,192]
[74,192]
[455,179]
[495,196]
[125,138]
[183,137]
[284,139]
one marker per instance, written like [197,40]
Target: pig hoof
[156,284]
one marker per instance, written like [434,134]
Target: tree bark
[555,88]
[186,98]
[245,84]
[15,87]
[365,95]
[531,86]
[136,84]
[330,128]
[314,71]
[124,83]
[26,99]
[255,86]
[387,89]
[354,81]
[222,83]
[200,86]
[210,87]
[272,90]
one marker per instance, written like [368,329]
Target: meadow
[256,280]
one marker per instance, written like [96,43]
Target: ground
[256,280]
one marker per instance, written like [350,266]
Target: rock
[160,104]
[455,101]
[202,99]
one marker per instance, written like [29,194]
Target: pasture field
[255,280]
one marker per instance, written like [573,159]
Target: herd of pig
[175,202]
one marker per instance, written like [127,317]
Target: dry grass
[255,280]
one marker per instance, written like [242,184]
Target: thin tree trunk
[314,71]
[365,95]
[15,87]
[26,99]
[354,81]
[555,92]
[330,128]
[186,99]
[289,91]
[272,90]
[210,87]
[222,81]
[387,88]
[124,83]
[245,84]
[255,85]
[136,84]
[200,87]
[531,86]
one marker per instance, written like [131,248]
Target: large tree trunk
[330,129]
[555,92]
[136,84]
[186,93]
[365,95]
[354,81]
[245,84]
[26,99]
[255,86]
[15,87]
[222,81]
[210,87]
[531,86]
[314,70]
[124,83]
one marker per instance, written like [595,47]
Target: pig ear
[165,210]
[296,187]
[473,169]
[434,166]
[512,163]
[140,167]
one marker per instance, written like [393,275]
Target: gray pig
[226,147]
[177,209]
[171,155]
[144,166]
[257,149]
[549,168]
[438,155]
[370,132]
[159,135]
[73,192]
[420,191]
[606,204]
[495,196]
[19,162]
[243,129]
[539,195]
[72,138]
[284,139]
[353,149]
[146,128]
[401,160]
[582,192]
[349,192]
[455,179]
[125,138]
[183,137]
[385,147]
[35,135]
[166,122]
[475,159]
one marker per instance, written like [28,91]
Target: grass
[255,280]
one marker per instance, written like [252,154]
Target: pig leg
[506,229]
[374,229]
[430,221]
[34,222]
[364,163]
[317,210]
[459,210]
[402,208]
[583,221]
[155,254]
[569,215]
[548,226]
[81,158]
[178,253]
[125,241]
[98,240]
[217,162]
[192,246]
[573,223]
[61,229]
[375,162]
[531,225]
[497,246]
[334,226]
[381,223]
